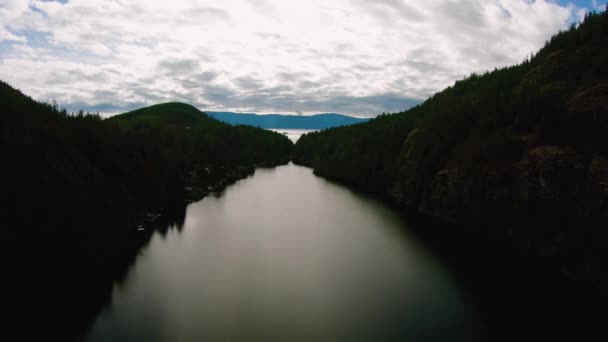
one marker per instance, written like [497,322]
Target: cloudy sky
[357,57]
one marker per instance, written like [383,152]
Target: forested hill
[141,158]
[520,152]
[172,113]
[74,188]
[280,121]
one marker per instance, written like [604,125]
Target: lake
[287,256]
[292,134]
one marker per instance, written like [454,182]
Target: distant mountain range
[281,121]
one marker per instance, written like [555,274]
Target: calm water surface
[292,134]
[287,256]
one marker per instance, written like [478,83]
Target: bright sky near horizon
[355,57]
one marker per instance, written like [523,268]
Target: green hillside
[172,113]
[519,153]
[204,140]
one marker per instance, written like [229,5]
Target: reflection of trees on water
[59,290]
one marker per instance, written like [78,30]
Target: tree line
[75,188]
[519,152]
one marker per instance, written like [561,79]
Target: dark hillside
[76,191]
[173,113]
[520,153]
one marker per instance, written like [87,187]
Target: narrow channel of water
[288,256]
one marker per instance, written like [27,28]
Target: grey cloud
[210,11]
[343,47]
[263,6]
[269,36]
[385,11]
[368,67]
[218,94]
[204,14]
[278,90]
[208,76]
[71,76]
[423,66]
[141,91]
[292,76]
[105,94]
[249,83]
[179,66]
[412,85]
[278,98]
[102,101]
[196,80]
[403,9]
[367,105]
[225,98]
[467,15]
[462,22]
[305,84]
[394,51]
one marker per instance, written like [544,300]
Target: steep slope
[519,154]
[74,189]
[280,121]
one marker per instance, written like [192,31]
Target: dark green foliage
[204,141]
[73,187]
[558,97]
[71,167]
[523,147]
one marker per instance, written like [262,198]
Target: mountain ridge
[171,113]
[285,121]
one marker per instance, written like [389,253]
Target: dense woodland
[61,164]
[520,153]
[75,187]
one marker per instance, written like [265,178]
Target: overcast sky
[356,57]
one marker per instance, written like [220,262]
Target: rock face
[552,202]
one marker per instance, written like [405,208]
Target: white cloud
[264,55]
[7,36]
[10,10]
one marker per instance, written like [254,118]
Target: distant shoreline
[280,121]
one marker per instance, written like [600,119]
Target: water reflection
[57,286]
[285,255]
[293,134]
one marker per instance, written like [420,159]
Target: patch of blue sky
[588,4]
[44,40]
[5,47]
[33,39]
[582,7]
